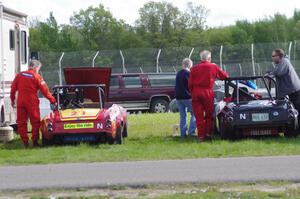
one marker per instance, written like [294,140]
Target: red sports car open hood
[88,75]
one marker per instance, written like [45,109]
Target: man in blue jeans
[183,98]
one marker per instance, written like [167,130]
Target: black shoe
[207,138]
[36,145]
[25,145]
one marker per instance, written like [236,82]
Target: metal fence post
[141,70]
[240,67]
[224,68]
[295,46]
[290,48]
[157,61]
[191,53]
[93,64]
[259,69]
[252,58]
[60,72]
[123,62]
[174,69]
[221,52]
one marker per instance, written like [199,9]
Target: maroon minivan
[142,91]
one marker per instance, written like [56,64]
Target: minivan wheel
[159,106]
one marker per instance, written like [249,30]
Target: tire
[119,136]
[159,106]
[46,142]
[291,132]
[125,133]
[117,140]
[217,126]
[110,140]
[225,133]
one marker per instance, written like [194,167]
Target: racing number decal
[99,126]
[73,113]
[242,116]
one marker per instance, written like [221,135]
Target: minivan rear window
[132,82]
[162,80]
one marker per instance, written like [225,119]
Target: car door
[131,94]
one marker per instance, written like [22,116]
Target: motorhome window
[24,47]
[114,82]
[12,40]
[162,80]
[132,82]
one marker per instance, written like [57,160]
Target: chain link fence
[237,60]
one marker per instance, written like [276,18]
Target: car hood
[79,114]
[88,75]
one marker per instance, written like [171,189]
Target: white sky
[222,12]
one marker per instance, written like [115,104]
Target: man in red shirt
[201,82]
[27,83]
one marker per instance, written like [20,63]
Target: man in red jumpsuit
[201,82]
[27,83]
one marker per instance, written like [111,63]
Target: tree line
[160,25]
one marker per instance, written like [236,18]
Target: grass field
[150,138]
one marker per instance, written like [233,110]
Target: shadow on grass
[13,145]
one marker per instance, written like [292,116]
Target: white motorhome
[14,56]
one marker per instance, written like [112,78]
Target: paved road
[150,172]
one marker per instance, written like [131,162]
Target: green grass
[150,138]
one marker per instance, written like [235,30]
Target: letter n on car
[242,116]
[99,126]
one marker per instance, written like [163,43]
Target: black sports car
[247,111]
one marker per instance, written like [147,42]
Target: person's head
[205,55]
[277,55]
[187,63]
[35,65]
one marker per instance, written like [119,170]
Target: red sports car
[81,115]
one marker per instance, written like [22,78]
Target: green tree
[98,28]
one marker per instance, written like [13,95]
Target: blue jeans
[185,106]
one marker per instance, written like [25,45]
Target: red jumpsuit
[201,82]
[27,84]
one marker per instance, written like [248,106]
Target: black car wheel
[217,126]
[117,140]
[125,133]
[225,132]
[291,132]
[159,106]
[110,139]
[46,142]
[119,136]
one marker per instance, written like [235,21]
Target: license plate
[264,131]
[261,132]
[81,138]
[260,117]
[89,125]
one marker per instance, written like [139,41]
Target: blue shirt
[181,87]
